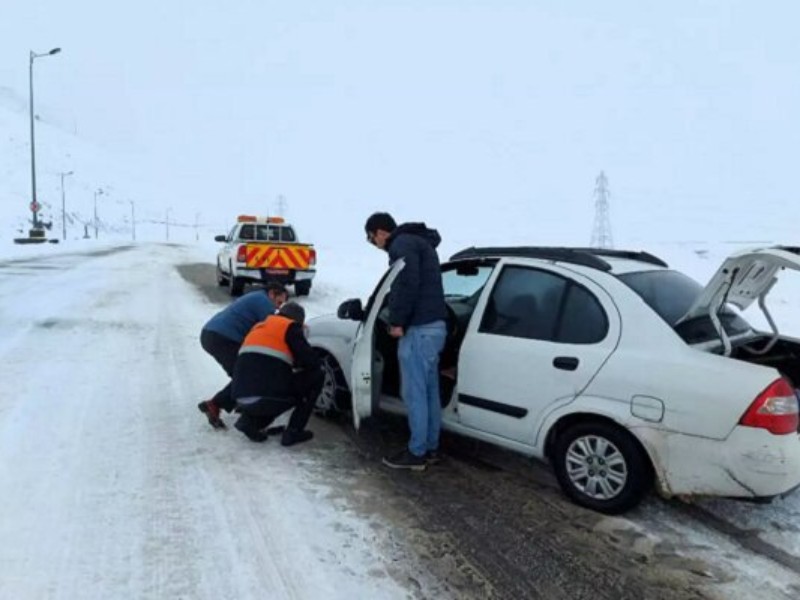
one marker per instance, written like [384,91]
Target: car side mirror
[220,238]
[351,310]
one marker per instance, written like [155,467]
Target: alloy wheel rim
[596,467]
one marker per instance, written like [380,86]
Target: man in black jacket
[417,314]
[277,370]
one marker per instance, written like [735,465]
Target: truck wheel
[302,288]
[601,466]
[222,281]
[236,286]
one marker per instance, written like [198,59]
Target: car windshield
[671,294]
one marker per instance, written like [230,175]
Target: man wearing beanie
[417,314]
[277,370]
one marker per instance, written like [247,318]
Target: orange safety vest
[269,337]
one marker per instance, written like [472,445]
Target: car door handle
[566,363]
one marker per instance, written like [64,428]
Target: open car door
[742,279]
[366,371]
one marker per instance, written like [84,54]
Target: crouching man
[276,371]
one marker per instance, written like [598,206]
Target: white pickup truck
[264,249]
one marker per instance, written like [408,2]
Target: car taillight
[241,254]
[775,409]
[312,257]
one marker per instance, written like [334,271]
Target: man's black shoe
[211,411]
[294,436]
[405,460]
[254,435]
[432,457]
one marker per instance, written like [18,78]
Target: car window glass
[524,303]
[272,233]
[671,294]
[247,232]
[464,282]
[583,320]
[377,289]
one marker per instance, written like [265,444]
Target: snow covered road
[112,488]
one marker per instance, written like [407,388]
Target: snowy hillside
[59,149]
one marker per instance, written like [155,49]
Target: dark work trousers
[224,351]
[306,387]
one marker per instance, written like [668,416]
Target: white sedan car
[618,370]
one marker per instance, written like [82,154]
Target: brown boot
[211,411]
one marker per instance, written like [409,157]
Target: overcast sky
[444,111]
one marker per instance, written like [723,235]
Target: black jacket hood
[419,229]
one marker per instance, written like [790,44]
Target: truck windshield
[671,294]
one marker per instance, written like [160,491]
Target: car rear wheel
[601,466]
[235,285]
[302,288]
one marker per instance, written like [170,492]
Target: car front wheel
[601,466]
[333,396]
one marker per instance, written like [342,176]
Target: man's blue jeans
[418,353]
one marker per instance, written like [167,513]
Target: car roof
[603,259]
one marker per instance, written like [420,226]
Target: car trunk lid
[743,278]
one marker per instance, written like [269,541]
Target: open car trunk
[744,278]
[783,355]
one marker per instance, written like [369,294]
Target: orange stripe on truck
[278,257]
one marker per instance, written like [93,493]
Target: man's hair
[293,311]
[380,220]
[276,288]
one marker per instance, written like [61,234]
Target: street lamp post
[98,192]
[64,206]
[133,220]
[34,201]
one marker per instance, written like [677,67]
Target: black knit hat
[380,220]
[293,311]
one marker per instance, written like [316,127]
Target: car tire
[334,398]
[302,288]
[235,285]
[222,281]
[601,466]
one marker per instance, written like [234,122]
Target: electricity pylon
[601,231]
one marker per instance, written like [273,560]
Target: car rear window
[671,294]
[274,233]
[267,233]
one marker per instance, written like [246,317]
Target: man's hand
[396,332]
